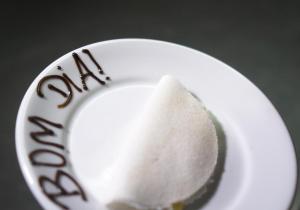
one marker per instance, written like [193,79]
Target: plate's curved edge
[19,129]
[20,145]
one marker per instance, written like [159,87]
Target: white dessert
[169,153]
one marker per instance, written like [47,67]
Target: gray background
[258,38]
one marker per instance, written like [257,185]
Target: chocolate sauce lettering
[51,87]
[33,156]
[56,188]
[81,66]
[62,190]
[68,95]
[38,158]
[46,131]
[69,84]
[69,80]
[86,51]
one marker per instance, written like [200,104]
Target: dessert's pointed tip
[169,81]
[168,77]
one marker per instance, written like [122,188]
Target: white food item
[169,153]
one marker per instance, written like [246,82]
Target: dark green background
[258,38]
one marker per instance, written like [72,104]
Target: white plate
[260,164]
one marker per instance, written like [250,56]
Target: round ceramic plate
[71,117]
